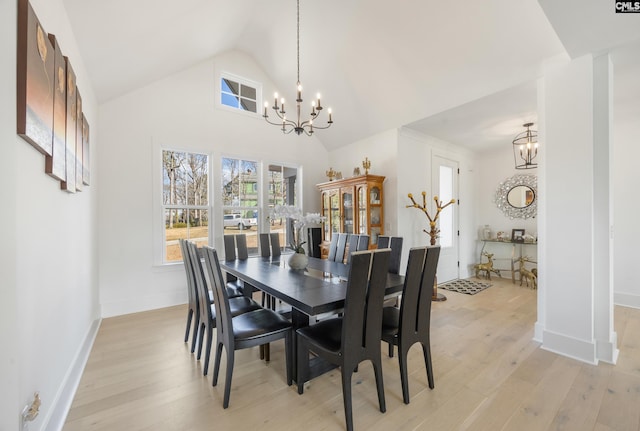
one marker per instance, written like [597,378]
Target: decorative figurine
[526,275]
[356,171]
[331,174]
[486,267]
[366,164]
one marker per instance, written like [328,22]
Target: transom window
[239,93]
[185,200]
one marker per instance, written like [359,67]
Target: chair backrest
[395,244]
[352,246]
[383,241]
[415,309]
[201,283]
[241,243]
[363,243]
[362,326]
[342,245]
[188,269]
[229,247]
[224,328]
[314,239]
[265,247]
[396,254]
[275,244]
[333,247]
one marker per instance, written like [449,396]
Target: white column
[575,304]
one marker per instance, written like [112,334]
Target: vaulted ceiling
[423,64]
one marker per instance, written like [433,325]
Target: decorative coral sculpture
[433,221]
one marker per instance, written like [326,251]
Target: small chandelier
[525,148]
[307,126]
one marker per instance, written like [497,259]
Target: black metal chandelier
[525,148]
[299,126]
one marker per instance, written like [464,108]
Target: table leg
[299,320]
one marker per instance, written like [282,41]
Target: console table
[516,253]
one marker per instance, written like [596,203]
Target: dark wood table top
[310,291]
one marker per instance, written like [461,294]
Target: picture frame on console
[517,235]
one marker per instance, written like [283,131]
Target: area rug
[468,287]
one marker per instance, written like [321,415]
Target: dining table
[318,289]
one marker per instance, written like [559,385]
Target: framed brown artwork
[79,123]
[35,81]
[56,162]
[85,151]
[69,184]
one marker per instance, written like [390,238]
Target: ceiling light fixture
[307,126]
[525,148]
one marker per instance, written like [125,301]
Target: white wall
[49,302]
[415,152]
[381,149]
[626,177]
[178,111]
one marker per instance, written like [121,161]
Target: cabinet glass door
[347,214]
[334,212]
[326,206]
[362,210]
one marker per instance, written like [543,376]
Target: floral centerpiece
[300,221]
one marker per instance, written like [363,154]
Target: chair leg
[261,351]
[288,349]
[402,360]
[227,383]
[346,397]
[267,352]
[186,332]
[426,349]
[200,338]
[207,353]
[196,324]
[303,364]
[216,365]
[390,350]
[377,369]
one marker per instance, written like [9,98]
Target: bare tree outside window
[185,197]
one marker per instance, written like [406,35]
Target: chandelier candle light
[299,126]
[525,148]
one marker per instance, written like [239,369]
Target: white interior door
[445,185]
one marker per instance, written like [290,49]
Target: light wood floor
[489,375]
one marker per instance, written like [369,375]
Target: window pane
[248,105]
[242,222]
[230,86]
[197,168]
[446,217]
[181,223]
[229,100]
[248,92]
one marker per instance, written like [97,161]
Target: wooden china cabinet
[353,205]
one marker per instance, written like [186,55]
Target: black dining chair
[341,247]
[265,245]
[235,286]
[275,244]
[395,244]
[238,305]
[254,328]
[363,243]
[355,337]
[411,323]
[193,310]
[333,247]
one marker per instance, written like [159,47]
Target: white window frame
[242,81]
[159,207]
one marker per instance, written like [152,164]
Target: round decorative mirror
[517,196]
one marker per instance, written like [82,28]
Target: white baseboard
[580,350]
[63,399]
[626,299]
